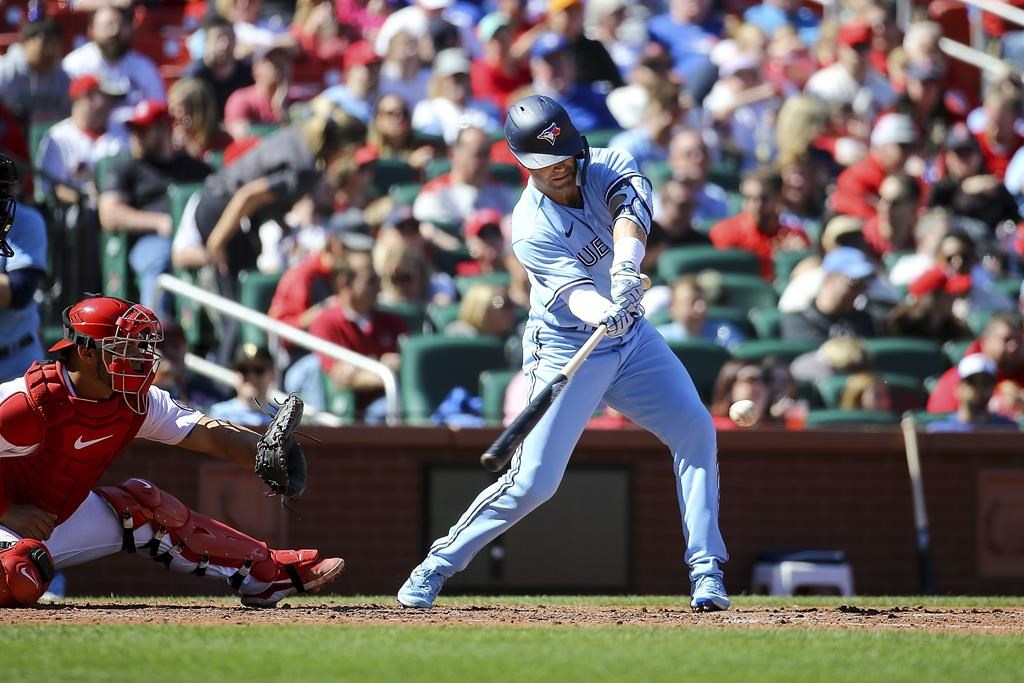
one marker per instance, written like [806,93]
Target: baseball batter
[580,231]
[64,422]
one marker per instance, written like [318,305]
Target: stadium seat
[736,315]
[923,418]
[906,391]
[194,320]
[785,350]
[920,358]
[434,365]
[256,289]
[725,174]
[1010,287]
[464,282]
[785,262]
[956,349]
[436,167]
[506,174]
[493,384]
[340,402]
[745,291]
[263,129]
[830,419]
[601,138]
[703,360]
[388,173]
[414,315]
[116,275]
[405,194]
[767,321]
[691,260]
[441,317]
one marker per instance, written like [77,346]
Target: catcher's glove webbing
[280,461]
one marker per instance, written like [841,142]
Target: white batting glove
[618,319]
[627,288]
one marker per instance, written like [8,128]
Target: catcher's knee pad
[26,569]
[194,536]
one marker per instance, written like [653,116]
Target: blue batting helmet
[540,133]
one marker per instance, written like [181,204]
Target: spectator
[802,196]
[689,162]
[355,323]
[69,150]
[451,198]
[789,63]
[1001,342]
[957,270]
[496,74]
[929,232]
[268,99]
[852,81]
[351,178]
[921,48]
[407,276]
[835,356]
[967,188]
[485,310]
[413,20]
[402,72]
[134,195]
[252,30]
[20,277]
[892,139]
[648,144]
[358,93]
[173,377]
[771,15]
[757,229]
[739,381]
[922,100]
[604,21]
[803,129]
[451,107]
[32,83]
[485,243]
[976,375]
[689,31]
[254,380]
[688,309]
[833,314]
[109,56]
[742,108]
[317,31]
[674,216]
[593,63]
[553,69]
[865,391]
[219,67]
[933,315]
[892,228]
[999,140]
[195,125]
[391,134]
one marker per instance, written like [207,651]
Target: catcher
[65,421]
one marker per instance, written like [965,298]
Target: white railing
[296,336]
[1000,9]
[222,375]
[977,58]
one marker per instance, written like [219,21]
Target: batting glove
[618,320]
[627,289]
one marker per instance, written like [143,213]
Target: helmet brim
[534,161]
[62,344]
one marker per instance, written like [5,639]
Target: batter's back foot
[708,594]
[421,589]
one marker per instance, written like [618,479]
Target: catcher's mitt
[280,461]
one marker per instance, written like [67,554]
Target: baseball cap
[561,5]
[367,154]
[360,53]
[490,25]
[893,129]
[451,61]
[936,280]
[83,85]
[960,137]
[836,228]
[975,364]
[351,228]
[854,34]
[480,219]
[146,113]
[849,262]
[251,354]
[548,44]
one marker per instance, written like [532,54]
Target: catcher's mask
[126,335]
[8,177]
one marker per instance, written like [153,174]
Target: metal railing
[296,336]
[222,375]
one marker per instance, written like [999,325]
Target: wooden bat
[501,451]
[926,571]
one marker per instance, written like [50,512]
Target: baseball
[743,413]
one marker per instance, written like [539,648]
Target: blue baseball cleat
[708,594]
[421,589]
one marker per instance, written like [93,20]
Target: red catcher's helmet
[126,334]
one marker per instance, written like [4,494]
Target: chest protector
[80,440]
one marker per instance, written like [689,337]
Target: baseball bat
[501,451]
[926,571]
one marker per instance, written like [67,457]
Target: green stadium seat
[657,172]
[340,402]
[36,131]
[215,160]
[601,138]
[436,167]
[388,173]
[907,392]
[956,349]
[704,225]
[445,261]
[923,418]
[659,318]
[441,317]
[977,321]
[785,350]
[406,193]
[263,129]
[493,384]
[414,315]
[785,262]
[832,419]
[117,277]
[725,174]
[507,174]
[421,138]
[193,318]
[178,196]
[1010,287]
[433,365]
[920,358]
[463,283]
[703,360]
[256,290]
[767,321]
[734,200]
[736,315]
[691,260]
[746,291]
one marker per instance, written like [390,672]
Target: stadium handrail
[1000,9]
[296,336]
[222,375]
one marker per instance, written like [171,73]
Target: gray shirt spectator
[33,84]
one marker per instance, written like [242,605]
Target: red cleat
[298,571]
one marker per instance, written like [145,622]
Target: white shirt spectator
[135,71]
[751,127]
[835,85]
[69,154]
[412,20]
[442,201]
[412,91]
[440,116]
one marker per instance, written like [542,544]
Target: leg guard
[26,570]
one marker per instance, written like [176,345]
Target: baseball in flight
[743,412]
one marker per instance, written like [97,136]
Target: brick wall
[847,491]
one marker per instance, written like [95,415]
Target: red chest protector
[80,440]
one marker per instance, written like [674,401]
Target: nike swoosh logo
[79,444]
[568,233]
[23,570]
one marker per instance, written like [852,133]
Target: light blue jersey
[28,240]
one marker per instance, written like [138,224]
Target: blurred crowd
[837,202]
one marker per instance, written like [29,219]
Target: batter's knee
[696,436]
[26,569]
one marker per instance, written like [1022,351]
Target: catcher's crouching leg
[26,570]
[189,542]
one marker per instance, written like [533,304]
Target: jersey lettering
[593,252]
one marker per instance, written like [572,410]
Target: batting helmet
[126,334]
[540,133]
[8,177]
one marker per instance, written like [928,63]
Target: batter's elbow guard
[26,569]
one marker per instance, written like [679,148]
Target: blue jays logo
[550,133]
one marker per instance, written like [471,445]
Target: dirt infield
[200,612]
